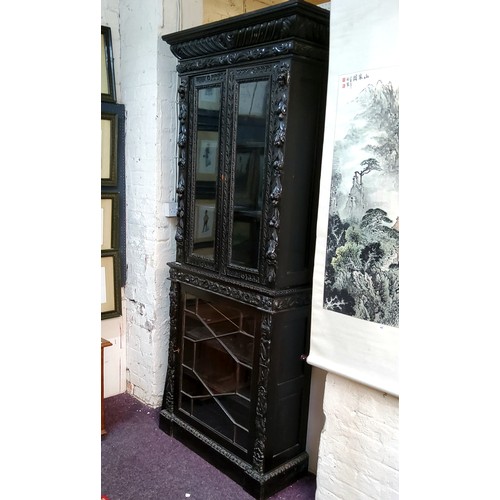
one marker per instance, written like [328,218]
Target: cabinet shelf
[196,386]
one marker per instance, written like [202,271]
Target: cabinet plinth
[252,92]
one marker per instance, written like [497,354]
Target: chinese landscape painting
[362,254]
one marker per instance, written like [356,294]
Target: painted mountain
[362,254]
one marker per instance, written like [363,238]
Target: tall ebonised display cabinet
[252,94]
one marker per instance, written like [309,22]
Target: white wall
[316,418]
[148,93]
[110,17]
[114,356]
[358,454]
[114,329]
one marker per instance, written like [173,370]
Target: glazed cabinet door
[250,90]
[230,123]
[216,374]
[205,160]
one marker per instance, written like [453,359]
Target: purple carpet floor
[141,462]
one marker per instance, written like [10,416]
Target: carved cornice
[227,59]
[262,33]
[226,36]
[250,55]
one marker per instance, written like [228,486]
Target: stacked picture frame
[108,88]
[112,185]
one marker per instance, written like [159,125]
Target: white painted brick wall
[358,452]
[148,84]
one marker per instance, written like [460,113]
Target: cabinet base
[259,485]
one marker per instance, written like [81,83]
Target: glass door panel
[253,104]
[216,369]
[206,168]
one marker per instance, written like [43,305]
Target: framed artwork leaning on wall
[108,91]
[109,146]
[110,285]
[109,221]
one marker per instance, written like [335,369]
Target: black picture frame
[109,148]
[110,206]
[118,110]
[108,88]
[111,303]
[204,222]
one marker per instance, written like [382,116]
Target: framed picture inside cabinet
[204,229]
[109,221]
[108,92]
[109,149]
[110,285]
[207,155]
[209,98]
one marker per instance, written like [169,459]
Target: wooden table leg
[104,343]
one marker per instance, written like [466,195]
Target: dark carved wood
[246,469]
[249,55]
[181,185]
[168,397]
[286,46]
[276,189]
[233,39]
[258,296]
[261,413]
